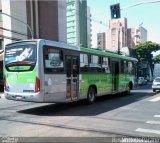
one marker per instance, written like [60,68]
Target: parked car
[156,84]
[142,81]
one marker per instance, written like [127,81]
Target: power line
[13,31]
[31,32]
[140,3]
[12,38]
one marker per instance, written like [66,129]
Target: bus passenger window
[125,67]
[105,65]
[53,60]
[122,66]
[84,63]
[130,67]
[95,65]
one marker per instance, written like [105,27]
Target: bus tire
[91,96]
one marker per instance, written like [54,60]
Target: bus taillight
[4,84]
[37,85]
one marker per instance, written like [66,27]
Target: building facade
[77,29]
[101,41]
[89,27]
[116,34]
[1,27]
[46,19]
[136,36]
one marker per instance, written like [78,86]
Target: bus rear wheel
[91,97]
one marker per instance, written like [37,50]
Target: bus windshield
[20,58]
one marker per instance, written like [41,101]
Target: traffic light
[115,11]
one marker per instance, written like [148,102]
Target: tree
[144,52]
[157,59]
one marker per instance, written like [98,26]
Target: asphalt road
[135,115]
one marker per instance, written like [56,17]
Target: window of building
[1,19]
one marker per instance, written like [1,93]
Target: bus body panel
[25,81]
[103,83]
[55,88]
[123,82]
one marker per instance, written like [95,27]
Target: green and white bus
[40,70]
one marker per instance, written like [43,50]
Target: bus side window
[122,67]
[95,65]
[130,67]
[84,63]
[53,60]
[105,65]
[125,67]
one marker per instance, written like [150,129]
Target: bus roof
[72,47]
[48,43]
[107,53]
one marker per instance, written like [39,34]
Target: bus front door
[115,77]
[72,75]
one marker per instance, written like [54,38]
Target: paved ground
[136,115]
[2,95]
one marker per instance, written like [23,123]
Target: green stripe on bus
[103,82]
[20,77]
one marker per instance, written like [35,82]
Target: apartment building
[136,36]
[46,19]
[101,40]
[78,23]
[116,34]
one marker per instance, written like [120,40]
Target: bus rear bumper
[30,97]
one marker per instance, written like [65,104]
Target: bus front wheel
[91,95]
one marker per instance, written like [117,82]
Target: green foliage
[157,59]
[144,52]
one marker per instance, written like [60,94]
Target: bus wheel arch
[128,88]
[91,94]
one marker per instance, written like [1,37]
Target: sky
[148,14]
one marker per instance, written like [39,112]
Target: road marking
[158,116]
[153,122]
[148,131]
[155,99]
